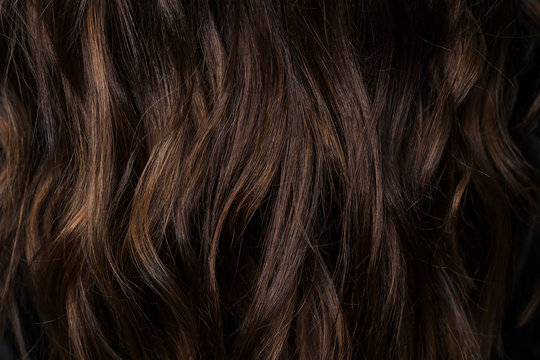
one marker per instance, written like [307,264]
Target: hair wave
[263,179]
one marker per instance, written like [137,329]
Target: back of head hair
[263,179]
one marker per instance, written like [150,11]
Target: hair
[263,179]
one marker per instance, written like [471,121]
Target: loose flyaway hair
[263,179]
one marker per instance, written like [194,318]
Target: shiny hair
[263,179]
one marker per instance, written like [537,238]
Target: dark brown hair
[263,179]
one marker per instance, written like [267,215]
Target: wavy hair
[263,179]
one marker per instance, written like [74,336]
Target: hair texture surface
[263,179]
